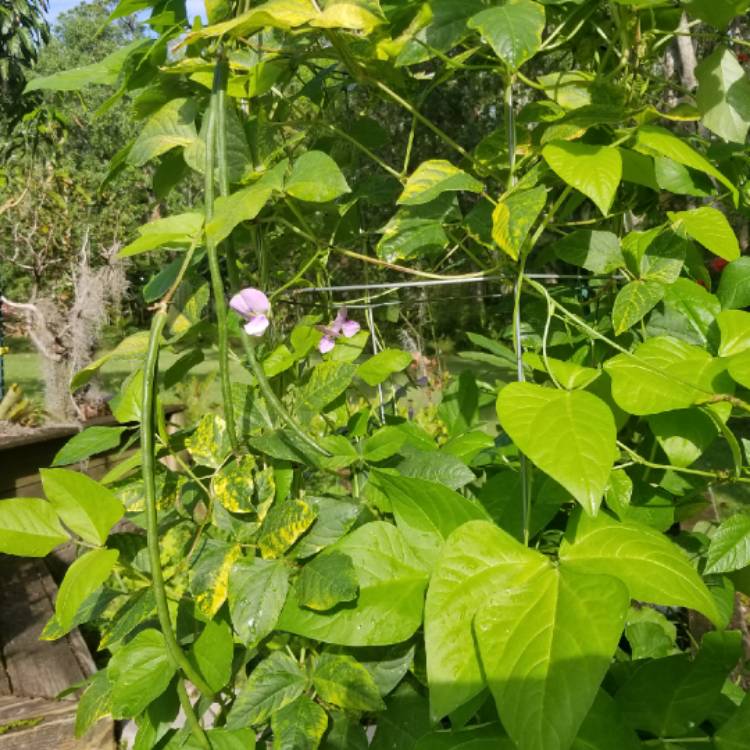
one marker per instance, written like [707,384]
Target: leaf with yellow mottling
[209,444]
[340,679]
[173,545]
[284,524]
[265,491]
[168,488]
[209,576]
[233,485]
[513,218]
[433,178]
[362,15]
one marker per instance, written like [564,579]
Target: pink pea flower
[252,305]
[341,326]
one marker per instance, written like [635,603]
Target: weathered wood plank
[21,457]
[34,668]
[33,672]
[4,680]
[39,724]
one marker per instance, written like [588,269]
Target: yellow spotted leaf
[209,575]
[513,218]
[209,444]
[233,485]
[284,524]
[433,178]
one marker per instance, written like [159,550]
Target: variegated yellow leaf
[233,485]
[284,524]
[513,218]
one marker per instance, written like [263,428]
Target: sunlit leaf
[570,435]
[87,507]
[653,568]
[594,170]
[545,648]
[433,178]
[633,302]
[344,682]
[656,141]
[710,227]
[664,374]
[477,561]
[514,217]
[391,584]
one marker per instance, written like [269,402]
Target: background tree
[65,214]
[23,30]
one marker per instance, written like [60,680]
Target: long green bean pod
[148,462]
[217,283]
[222,168]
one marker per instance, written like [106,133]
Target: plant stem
[217,283]
[720,476]
[298,276]
[190,717]
[424,120]
[374,157]
[510,126]
[148,461]
[518,348]
[405,269]
[273,401]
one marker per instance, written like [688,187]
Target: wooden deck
[22,455]
[33,672]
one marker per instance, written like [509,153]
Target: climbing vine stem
[272,400]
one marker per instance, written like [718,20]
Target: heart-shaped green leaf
[513,30]
[29,527]
[664,374]
[569,435]
[545,648]
[654,569]
[478,560]
[594,170]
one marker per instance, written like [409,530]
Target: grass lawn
[26,369]
[201,391]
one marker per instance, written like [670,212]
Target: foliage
[312,559]
[23,30]
[55,192]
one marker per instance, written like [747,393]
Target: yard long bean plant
[320,564]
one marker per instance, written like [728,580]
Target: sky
[194,7]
